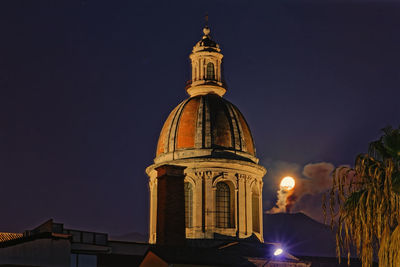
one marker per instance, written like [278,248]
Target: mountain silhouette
[299,234]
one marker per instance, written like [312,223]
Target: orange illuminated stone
[187,124]
[164,133]
[205,121]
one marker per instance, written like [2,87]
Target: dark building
[50,244]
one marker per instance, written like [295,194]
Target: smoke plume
[310,194]
[307,195]
[273,200]
[281,203]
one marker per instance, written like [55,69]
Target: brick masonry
[171,205]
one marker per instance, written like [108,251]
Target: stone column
[242,206]
[153,210]
[198,206]
[261,213]
[249,206]
[209,197]
[170,205]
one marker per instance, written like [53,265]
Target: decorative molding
[190,180]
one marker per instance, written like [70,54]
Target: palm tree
[364,203]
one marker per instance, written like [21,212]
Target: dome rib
[236,129]
[174,125]
[205,126]
[247,137]
[199,137]
[221,130]
[162,146]
[186,128]
[207,142]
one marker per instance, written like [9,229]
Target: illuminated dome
[205,126]
[208,140]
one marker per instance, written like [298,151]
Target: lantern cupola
[206,61]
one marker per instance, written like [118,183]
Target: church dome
[205,126]
[206,158]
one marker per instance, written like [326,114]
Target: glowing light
[287,183]
[278,252]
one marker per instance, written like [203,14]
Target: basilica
[210,137]
[205,183]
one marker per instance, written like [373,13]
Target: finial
[206,30]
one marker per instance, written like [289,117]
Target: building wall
[171,205]
[244,178]
[44,252]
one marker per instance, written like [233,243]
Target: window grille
[223,205]
[188,205]
[210,71]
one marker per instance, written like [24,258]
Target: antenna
[206,19]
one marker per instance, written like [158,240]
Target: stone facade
[245,182]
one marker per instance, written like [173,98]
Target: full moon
[287,183]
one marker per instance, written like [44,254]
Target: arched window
[255,199]
[210,71]
[188,205]
[223,205]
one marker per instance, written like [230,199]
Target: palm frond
[368,202]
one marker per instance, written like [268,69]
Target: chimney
[170,205]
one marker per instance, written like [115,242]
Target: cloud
[319,175]
[310,193]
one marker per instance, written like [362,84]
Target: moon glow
[287,183]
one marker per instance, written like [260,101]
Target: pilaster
[242,216]
[209,201]
[249,224]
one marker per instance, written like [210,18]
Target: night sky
[85,87]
